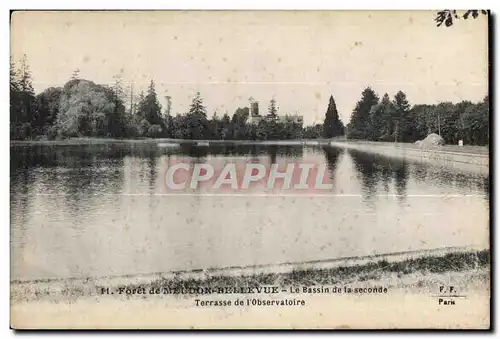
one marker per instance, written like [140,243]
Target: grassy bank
[333,276]
[390,272]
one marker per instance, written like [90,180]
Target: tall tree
[332,126]
[359,124]
[26,100]
[475,123]
[14,101]
[167,117]
[197,119]
[272,110]
[14,85]
[116,120]
[149,113]
[153,108]
[227,131]
[381,120]
[403,124]
[239,122]
[197,107]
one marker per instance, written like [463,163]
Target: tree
[239,122]
[167,117]
[381,120]
[27,92]
[14,101]
[117,119]
[475,123]
[262,131]
[152,108]
[14,85]
[313,132]
[22,101]
[332,126]
[179,127]
[445,116]
[76,74]
[88,109]
[403,125]
[47,107]
[359,125]
[448,15]
[197,119]
[272,110]
[197,107]
[149,117]
[214,125]
[227,132]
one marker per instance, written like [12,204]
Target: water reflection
[439,176]
[222,150]
[272,154]
[374,169]
[90,210]
[401,176]
[332,156]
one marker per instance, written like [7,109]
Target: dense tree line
[22,100]
[314,131]
[84,108]
[195,125]
[396,120]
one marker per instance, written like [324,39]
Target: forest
[82,108]
[396,120]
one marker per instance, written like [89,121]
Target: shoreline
[467,158]
[400,291]
[156,141]
[475,158]
[326,272]
[409,304]
[482,151]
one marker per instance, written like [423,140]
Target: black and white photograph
[250,169]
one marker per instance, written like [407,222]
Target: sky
[299,58]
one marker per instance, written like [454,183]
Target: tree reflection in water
[374,169]
[332,156]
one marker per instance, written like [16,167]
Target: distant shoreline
[476,157]
[338,141]
[97,141]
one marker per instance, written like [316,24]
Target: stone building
[255,117]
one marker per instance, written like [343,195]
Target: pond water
[101,210]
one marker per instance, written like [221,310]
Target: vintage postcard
[250,170]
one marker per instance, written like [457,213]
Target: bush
[144,126]
[52,133]
[154,131]
[24,131]
[386,137]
